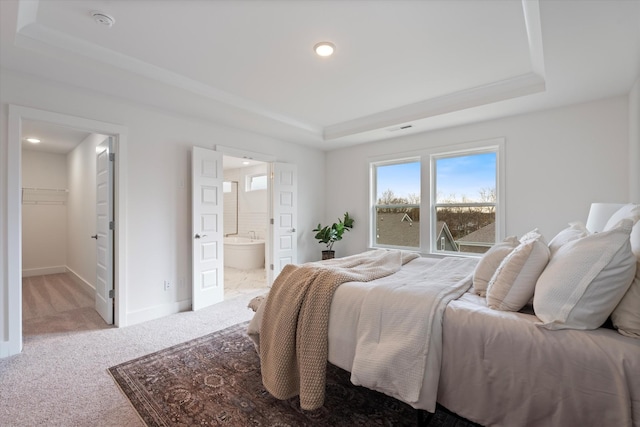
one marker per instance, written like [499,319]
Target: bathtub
[243,253]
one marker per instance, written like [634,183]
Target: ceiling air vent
[397,128]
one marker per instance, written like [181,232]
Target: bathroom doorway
[246,222]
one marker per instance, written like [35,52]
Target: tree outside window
[397,208]
[465,201]
[462,201]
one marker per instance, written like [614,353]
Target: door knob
[95,236]
[197,236]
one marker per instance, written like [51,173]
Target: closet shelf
[42,189]
[44,196]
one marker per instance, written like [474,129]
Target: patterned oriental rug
[215,380]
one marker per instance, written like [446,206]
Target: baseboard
[157,312]
[80,281]
[7,348]
[29,272]
[4,349]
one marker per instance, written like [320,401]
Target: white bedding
[400,331]
[345,311]
[347,321]
[500,369]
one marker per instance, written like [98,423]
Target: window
[397,206]
[458,193]
[256,182]
[464,189]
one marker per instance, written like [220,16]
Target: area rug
[215,380]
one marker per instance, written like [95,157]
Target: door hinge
[112,293]
[271,267]
[272,221]
[112,157]
[112,225]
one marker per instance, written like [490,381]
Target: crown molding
[35,36]
[486,94]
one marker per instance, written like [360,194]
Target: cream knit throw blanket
[293,333]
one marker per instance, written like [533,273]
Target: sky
[462,176]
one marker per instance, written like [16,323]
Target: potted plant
[329,234]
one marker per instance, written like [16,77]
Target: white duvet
[399,332]
[499,369]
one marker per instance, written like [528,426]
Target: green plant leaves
[331,234]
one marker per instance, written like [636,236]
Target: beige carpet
[61,379]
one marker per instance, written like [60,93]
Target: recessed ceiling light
[324,48]
[246,163]
[102,18]
[33,140]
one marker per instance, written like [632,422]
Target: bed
[530,366]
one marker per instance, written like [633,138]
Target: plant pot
[328,254]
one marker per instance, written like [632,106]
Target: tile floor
[242,282]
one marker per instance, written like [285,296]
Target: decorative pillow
[490,262]
[585,280]
[514,281]
[576,230]
[626,316]
[632,212]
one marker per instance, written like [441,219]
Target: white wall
[4,333]
[6,339]
[157,200]
[557,162]
[81,217]
[634,143]
[44,213]
[252,205]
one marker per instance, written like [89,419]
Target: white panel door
[284,220]
[104,230]
[207,229]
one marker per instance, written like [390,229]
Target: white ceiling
[249,64]
[53,138]
[230,162]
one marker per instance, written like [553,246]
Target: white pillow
[635,240]
[585,280]
[490,262]
[576,230]
[514,281]
[632,212]
[626,316]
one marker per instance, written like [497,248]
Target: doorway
[58,264]
[59,196]
[246,225]
[279,185]
[17,117]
